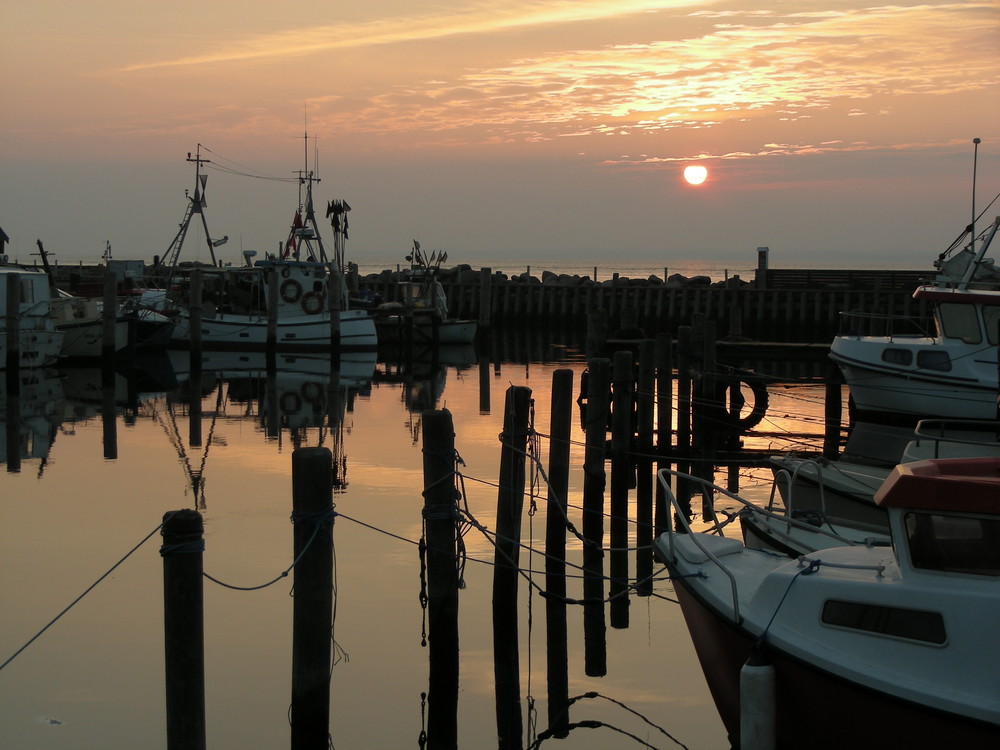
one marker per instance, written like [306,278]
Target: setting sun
[695,175]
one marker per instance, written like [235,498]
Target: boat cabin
[948,513]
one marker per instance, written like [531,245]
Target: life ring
[290,290]
[290,402]
[312,303]
[737,417]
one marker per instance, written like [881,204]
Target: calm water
[99,469]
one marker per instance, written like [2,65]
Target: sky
[834,132]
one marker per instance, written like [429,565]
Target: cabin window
[897,357]
[959,321]
[912,624]
[991,317]
[934,360]
[957,544]
[27,292]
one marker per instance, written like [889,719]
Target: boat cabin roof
[933,293]
[964,485]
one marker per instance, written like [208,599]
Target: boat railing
[684,525]
[862,323]
[978,432]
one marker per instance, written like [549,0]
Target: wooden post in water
[184,628]
[644,396]
[12,324]
[664,421]
[109,315]
[442,579]
[621,478]
[13,432]
[109,417]
[833,410]
[594,481]
[485,298]
[510,502]
[685,349]
[484,385]
[335,303]
[272,308]
[557,658]
[194,316]
[312,604]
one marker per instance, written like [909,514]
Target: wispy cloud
[756,64]
[484,19]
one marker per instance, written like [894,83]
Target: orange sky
[547,130]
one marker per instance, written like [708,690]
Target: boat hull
[357,332]
[814,708]
[37,347]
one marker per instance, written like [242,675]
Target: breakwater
[776,305]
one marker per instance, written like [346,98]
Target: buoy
[757,702]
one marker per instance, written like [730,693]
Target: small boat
[38,340]
[839,494]
[857,646]
[948,372]
[421,313]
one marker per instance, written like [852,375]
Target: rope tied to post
[315,518]
[190,547]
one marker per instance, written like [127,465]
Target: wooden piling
[594,482]
[13,431]
[312,604]
[644,397]
[194,315]
[442,579]
[12,323]
[485,298]
[510,503]
[272,308]
[109,314]
[184,628]
[557,658]
[664,420]
[334,302]
[622,469]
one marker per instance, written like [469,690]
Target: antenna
[972,226]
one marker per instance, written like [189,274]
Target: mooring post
[664,420]
[595,425]
[194,316]
[335,303]
[557,658]
[12,323]
[833,412]
[442,579]
[685,349]
[312,604]
[510,502]
[109,416]
[622,469]
[13,431]
[644,396]
[484,385]
[272,308]
[485,298]
[109,315]
[184,628]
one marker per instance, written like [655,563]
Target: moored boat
[864,646]
[38,341]
[948,372]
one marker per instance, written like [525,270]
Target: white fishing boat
[948,372]
[853,645]
[284,302]
[38,341]
[420,314]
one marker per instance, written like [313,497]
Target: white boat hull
[357,331]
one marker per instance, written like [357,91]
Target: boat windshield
[991,318]
[952,543]
[959,321]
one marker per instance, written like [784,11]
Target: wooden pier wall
[792,306]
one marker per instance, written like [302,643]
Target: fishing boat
[838,495]
[421,315]
[295,300]
[856,646]
[38,342]
[948,372]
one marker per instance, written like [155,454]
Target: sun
[695,174]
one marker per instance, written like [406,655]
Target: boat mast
[196,205]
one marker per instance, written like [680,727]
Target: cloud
[484,19]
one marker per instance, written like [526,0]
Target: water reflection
[232,424]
